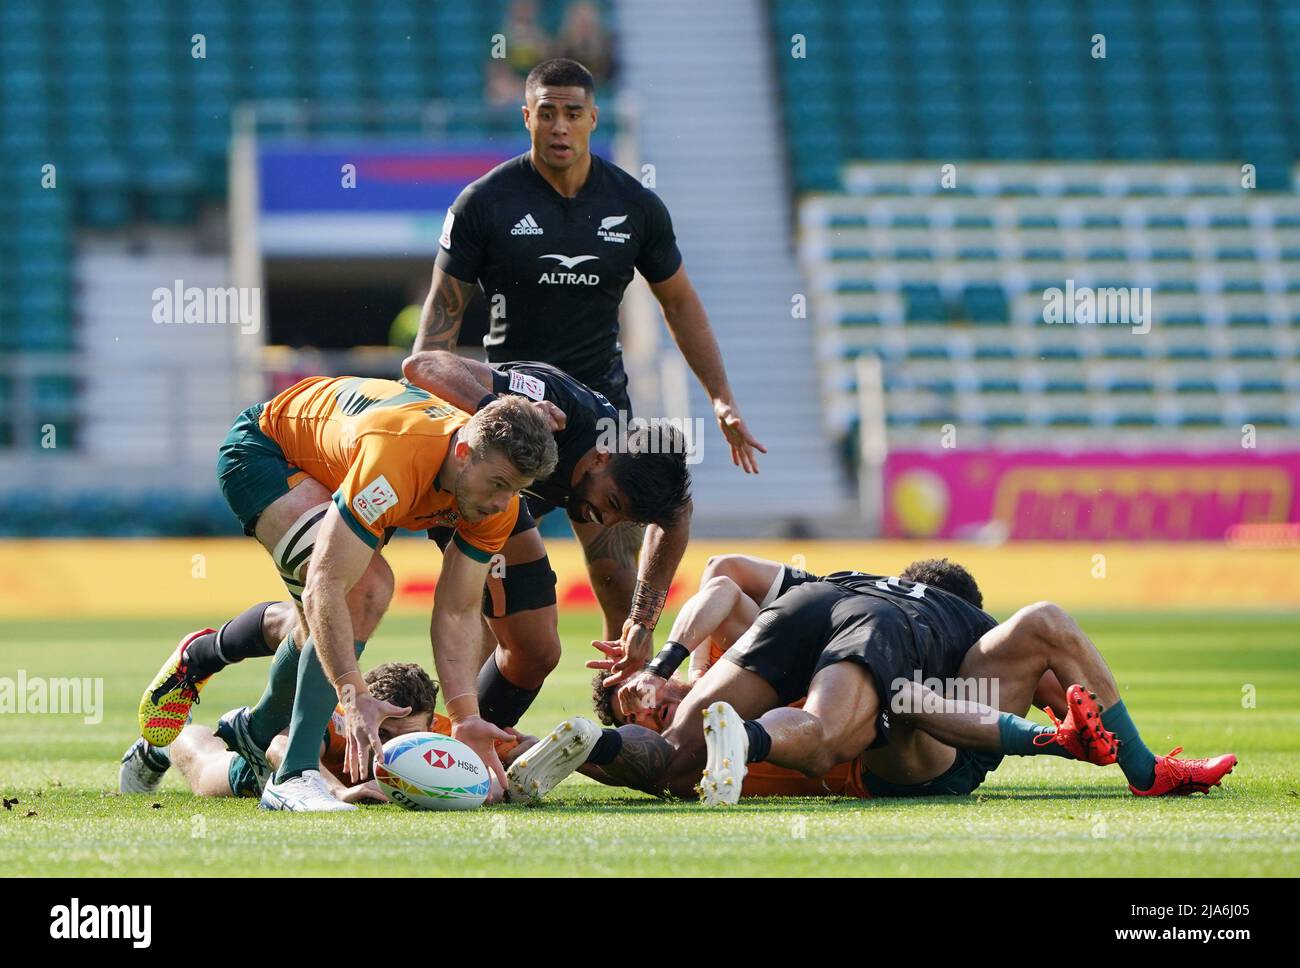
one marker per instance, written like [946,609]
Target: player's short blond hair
[513,427]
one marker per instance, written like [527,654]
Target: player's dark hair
[559,72]
[945,575]
[403,684]
[602,699]
[650,472]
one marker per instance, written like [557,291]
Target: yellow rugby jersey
[379,444]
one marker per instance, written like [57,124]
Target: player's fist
[553,414]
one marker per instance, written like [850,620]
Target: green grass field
[1182,676]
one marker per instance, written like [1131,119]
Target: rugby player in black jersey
[554,237]
[600,478]
[863,649]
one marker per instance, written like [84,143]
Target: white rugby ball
[430,771]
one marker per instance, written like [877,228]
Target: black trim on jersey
[584,409]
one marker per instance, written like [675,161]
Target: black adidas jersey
[560,264]
[924,605]
[586,411]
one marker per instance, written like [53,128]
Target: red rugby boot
[1081,732]
[1178,778]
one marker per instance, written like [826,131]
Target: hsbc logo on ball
[439,759]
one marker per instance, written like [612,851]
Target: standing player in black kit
[554,237]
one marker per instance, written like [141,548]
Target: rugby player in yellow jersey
[212,770]
[321,475]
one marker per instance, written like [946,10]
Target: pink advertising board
[1084,496]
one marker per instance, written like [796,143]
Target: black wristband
[487,398]
[669,658]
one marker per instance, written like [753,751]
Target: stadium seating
[1013,80]
[947,287]
[109,92]
[1144,188]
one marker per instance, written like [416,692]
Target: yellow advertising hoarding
[213,578]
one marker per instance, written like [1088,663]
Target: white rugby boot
[728,747]
[537,770]
[302,794]
[143,768]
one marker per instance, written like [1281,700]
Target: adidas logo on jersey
[527,226]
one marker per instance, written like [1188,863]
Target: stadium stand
[948,289]
[136,120]
[945,281]
[138,127]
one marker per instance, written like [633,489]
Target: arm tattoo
[440,323]
[643,762]
[647,603]
[620,543]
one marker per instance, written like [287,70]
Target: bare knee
[720,585]
[1047,622]
[182,750]
[720,566]
[527,661]
[819,762]
[613,582]
[279,619]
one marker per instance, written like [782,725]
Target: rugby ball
[430,771]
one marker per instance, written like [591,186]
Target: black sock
[500,701]
[760,744]
[240,638]
[607,747]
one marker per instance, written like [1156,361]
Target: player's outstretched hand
[743,443]
[362,717]
[613,652]
[367,792]
[636,645]
[480,735]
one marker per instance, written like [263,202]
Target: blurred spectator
[527,45]
[583,38]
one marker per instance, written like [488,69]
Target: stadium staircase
[161,394]
[703,72]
